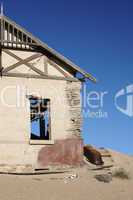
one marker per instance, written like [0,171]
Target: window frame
[50,141]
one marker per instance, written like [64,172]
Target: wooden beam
[1,67]
[19,42]
[52,53]
[58,68]
[26,39]
[50,77]
[8,32]
[45,65]
[13,35]
[41,75]
[1,30]
[17,37]
[35,69]
[20,49]
[23,61]
[0,58]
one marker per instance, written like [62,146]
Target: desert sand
[81,186]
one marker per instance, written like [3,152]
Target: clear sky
[98,36]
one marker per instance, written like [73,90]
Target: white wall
[15,109]
[15,115]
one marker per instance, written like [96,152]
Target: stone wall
[74,107]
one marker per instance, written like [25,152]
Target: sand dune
[78,184]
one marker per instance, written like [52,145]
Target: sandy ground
[57,187]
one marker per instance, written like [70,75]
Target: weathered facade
[40,108]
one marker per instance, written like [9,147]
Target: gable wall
[15,108]
[42,63]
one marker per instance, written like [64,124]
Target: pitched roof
[29,39]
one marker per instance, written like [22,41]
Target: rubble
[70,178]
[106,178]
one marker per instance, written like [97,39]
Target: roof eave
[53,52]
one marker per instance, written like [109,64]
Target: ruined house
[40,109]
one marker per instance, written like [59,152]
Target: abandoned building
[40,108]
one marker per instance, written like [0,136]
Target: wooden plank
[17,37]
[58,68]
[19,42]
[35,69]
[13,35]
[106,155]
[23,61]
[26,39]
[8,32]
[1,60]
[22,75]
[1,30]
[52,52]
[17,48]
[45,65]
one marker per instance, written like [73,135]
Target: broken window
[40,118]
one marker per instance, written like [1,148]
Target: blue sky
[98,36]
